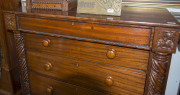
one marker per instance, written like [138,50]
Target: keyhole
[77,65]
[92,27]
[72,23]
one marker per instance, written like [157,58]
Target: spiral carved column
[158,73]
[164,44]
[22,62]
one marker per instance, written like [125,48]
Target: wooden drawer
[127,36]
[120,56]
[99,77]
[43,86]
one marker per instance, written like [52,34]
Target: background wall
[153,3]
[174,75]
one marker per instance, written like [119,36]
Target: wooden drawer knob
[111,53]
[109,81]
[50,90]
[47,66]
[46,42]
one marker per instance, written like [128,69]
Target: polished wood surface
[128,57]
[99,77]
[130,15]
[11,4]
[57,87]
[125,35]
[94,54]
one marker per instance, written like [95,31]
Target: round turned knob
[47,66]
[50,90]
[111,53]
[46,43]
[109,81]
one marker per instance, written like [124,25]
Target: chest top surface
[130,15]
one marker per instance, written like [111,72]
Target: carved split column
[158,73]
[22,62]
[165,42]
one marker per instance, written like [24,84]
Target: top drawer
[125,36]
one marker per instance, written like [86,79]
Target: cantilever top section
[154,17]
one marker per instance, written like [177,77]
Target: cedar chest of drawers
[64,53]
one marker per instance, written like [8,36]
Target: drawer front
[99,77]
[127,36]
[45,86]
[120,56]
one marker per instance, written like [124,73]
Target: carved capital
[19,41]
[10,21]
[157,77]
[165,40]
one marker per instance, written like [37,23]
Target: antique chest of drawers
[64,53]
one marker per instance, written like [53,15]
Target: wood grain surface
[130,15]
[88,74]
[127,35]
[126,57]
[145,38]
[59,88]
